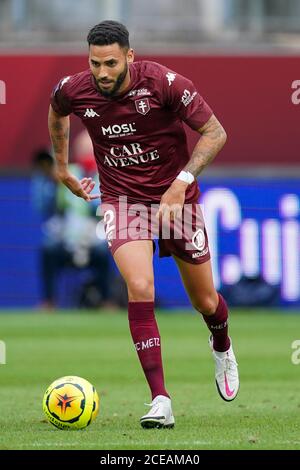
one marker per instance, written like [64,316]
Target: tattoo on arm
[59,128]
[212,140]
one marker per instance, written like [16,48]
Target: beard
[117,85]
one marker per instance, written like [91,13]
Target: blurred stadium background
[244,57]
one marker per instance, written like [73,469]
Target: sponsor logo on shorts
[198,240]
[199,254]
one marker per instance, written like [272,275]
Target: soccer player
[134,113]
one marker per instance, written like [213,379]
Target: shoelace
[230,364]
[151,404]
[154,402]
[155,407]
[148,404]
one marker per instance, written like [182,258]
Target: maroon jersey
[138,136]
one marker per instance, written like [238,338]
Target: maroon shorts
[186,238]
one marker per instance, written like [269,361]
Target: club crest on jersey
[142,105]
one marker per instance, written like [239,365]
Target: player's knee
[207,305]
[140,289]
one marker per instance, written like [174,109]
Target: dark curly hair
[108,32]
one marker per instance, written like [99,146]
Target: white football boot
[160,415]
[226,372]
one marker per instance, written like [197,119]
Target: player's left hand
[81,188]
[172,201]
[87,185]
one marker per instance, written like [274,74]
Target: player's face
[109,65]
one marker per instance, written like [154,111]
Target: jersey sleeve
[182,97]
[60,99]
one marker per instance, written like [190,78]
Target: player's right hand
[81,188]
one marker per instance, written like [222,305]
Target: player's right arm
[59,129]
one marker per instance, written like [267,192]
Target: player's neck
[125,84]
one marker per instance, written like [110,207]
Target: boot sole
[152,423]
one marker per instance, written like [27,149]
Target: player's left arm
[208,146]
[213,138]
[59,129]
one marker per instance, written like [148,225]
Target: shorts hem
[187,259]
[114,248]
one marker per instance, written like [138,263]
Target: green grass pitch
[98,347]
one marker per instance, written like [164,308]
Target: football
[71,403]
